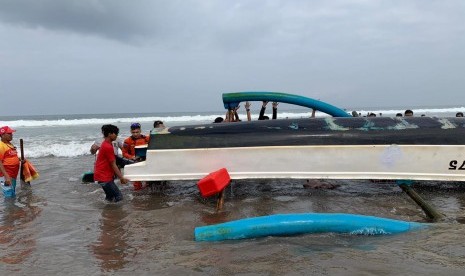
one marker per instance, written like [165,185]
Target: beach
[58,225]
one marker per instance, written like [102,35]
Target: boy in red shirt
[105,165]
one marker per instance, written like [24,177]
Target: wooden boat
[339,147]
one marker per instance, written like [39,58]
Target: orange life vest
[9,158]
[130,144]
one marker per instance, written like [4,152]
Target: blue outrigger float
[295,224]
[232,100]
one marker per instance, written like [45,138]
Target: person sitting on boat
[399,114]
[459,114]
[262,111]
[117,144]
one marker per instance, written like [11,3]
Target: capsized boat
[338,147]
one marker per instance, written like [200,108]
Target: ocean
[59,225]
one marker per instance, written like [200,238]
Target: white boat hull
[413,162]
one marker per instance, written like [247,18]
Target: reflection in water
[461,207]
[112,246]
[17,229]
[214,217]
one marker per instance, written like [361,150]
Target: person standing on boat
[314,113]
[247,110]
[275,110]
[105,166]
[9,160]
[129,147]
[232,115]
[262,111]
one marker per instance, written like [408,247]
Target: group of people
[108,162]
[233,116]
[407,113]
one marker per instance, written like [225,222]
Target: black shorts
[121,162]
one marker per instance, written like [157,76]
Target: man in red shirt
[105,165]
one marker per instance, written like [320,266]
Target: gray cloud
[120,20]
[348,52]
[242,24]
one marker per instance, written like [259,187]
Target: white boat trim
[413,162]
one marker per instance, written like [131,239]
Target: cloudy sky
[104,56]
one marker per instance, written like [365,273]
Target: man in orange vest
[129,145]
[9,160]
[136,139]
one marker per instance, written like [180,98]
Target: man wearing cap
[8,157]
[136,139]
[129,148]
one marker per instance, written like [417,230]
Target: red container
[214,183]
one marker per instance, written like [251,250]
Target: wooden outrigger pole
[430,211]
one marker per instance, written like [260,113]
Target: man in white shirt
[117,148]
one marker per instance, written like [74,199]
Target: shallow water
[60,226]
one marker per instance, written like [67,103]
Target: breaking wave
[72,135]
[200,118]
